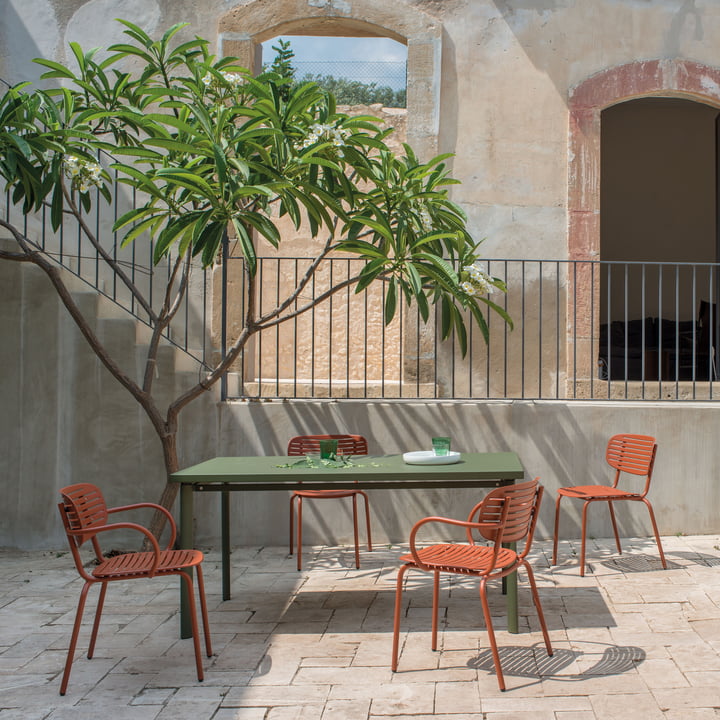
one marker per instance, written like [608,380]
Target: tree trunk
[170,491]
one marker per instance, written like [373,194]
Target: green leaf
[58,69]
[220,163]
[360,247]
[211,238]
[176,145]
[56,207]
[390,301]
[136,151]
[379,227]
[174,228]
[140,228]
[248,249]
[188,180]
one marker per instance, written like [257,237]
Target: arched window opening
[357,70]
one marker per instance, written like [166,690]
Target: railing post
[223,315]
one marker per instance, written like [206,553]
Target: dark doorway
[658,237]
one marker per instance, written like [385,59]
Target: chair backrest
[634,454]
[82,509]
[519,504]
[347,444]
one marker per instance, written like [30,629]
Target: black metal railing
[582,330]
[71,248]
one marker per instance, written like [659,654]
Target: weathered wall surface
[496,94]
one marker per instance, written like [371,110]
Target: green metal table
[244,474]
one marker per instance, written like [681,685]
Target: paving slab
[629,639]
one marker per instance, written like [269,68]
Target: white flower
[321,131]
[425,219]
[230,78]
[83,174]
[233,79]
[478,282]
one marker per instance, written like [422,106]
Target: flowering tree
[208,147]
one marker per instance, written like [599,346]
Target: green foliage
[354,92]
[282,62]
[211,147]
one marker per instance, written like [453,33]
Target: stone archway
[240,34]
[670,78]
[242,29]
[665,78]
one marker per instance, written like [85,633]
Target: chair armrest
[124,526]
[445,521]
[154,506]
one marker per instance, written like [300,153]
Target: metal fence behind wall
[583,330]
[359,82]
[382,73]
[71,249]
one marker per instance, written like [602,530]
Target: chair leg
[614,524]
[396,617]
[292,518]
[355,531]
[299,531]
[74,637]
[435,607]
[203,610]
[582,540]
[367,519]
[657,534]
[538,607]
[491,633]
[193,621]
[96,623]
[557,525]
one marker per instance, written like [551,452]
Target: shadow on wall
[562,443]
[18,47]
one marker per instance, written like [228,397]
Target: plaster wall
[497,98]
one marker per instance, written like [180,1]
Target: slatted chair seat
[131,565]
[463,559]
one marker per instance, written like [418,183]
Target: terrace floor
[630,639]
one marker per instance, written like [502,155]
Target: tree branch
[75,211]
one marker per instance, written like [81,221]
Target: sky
[355,58]
[307,48]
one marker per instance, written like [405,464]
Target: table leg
[511,601]
[186,541]
[225,521]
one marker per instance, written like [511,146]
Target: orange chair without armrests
[347,445]
[506,515]
[633,454]
[85,515]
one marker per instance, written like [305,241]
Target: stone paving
[631,641]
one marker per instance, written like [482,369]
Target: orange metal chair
[633,454]
[506,515]
[347,445]
[85,516]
